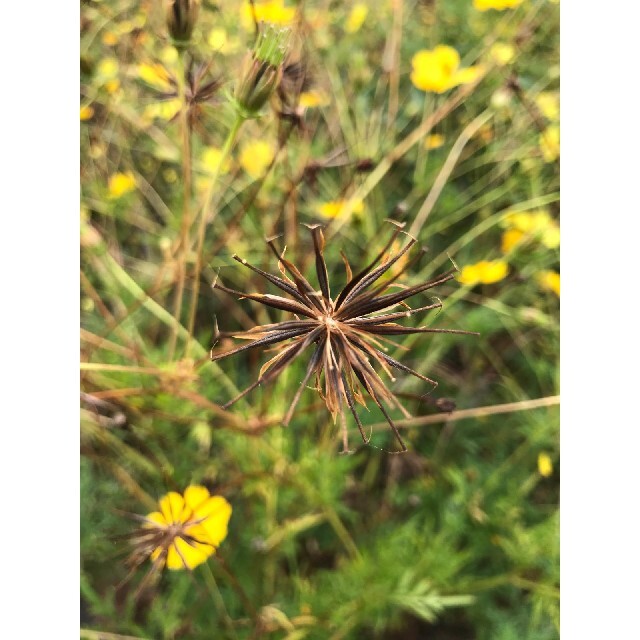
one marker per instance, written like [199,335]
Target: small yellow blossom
[535,223]
[356,18]
[112,85]
[550,143]
[545,466]
[502,54]
[255,157]
[187,529]
[156,76]
[169,56]
[271,11]
[121,183]
[313,98]
[108,69]
[86,112]
[499,5]
[164,110]
[484,272]
[510,239]
[210,160]
[550,280]
[437,70]
[335,208]
[434,141]
[549,104]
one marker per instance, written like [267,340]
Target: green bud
[261,70]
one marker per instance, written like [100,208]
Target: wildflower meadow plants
[386,151]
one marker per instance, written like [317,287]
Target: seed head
[181,18]
[345,338]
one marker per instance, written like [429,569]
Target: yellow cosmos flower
[437,70]
[434,141]
[334,208]
[484,272]
[156,76]
[502,54]
[356,18]
[549,141]
[121,184]
[255,157]
[499,5]
[545,466]
[549,104]
[313,98]
[549,280]
[537,223]
[272,11]
[187,529]
[86,112]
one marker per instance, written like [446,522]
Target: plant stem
[216,596]
[226,149]
[183,246]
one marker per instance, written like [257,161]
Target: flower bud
[181,19]
[261,70]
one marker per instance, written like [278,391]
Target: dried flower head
[181,16]
[346,338]
[185,531]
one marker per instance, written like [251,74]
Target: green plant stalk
[226,149]
[183,246]
[217,598]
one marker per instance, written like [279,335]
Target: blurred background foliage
[458,538]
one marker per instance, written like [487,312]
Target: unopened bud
[261,70]
[181,19]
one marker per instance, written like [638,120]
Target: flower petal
[172,507]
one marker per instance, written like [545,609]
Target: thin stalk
[183,247]
[218,601]
[226,149]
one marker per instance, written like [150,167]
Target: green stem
[216,596]
[226,149]
[183,247]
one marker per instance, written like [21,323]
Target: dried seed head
[346,340]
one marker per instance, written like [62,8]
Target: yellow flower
[536,223]
[156,76]
[210,160]
[545,466]
[108,69]
[550,143]
[434,141]
[255,157]
[314,98]
[187,529]
[484,272]
[86,112]
[334,208]
[437,70]
[510,239]
[502,53]
[356,17]
[272,11]
[500,5]
[549,280]
[549,104]
[121,183]
[165,110]
[109,38]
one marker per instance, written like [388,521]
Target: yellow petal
[108,69]
[195,495]
[86,112]
[157,518]
[121,183]
[155,75]
[545,466]
[434,141]
[510,239]
[549,141]
[256,157]
[448,58]
[551,237]
[309,99]
[469,275]
[468,75]
[215,514]
[549,104]
[210,159]
[549,280]
[187,555]
[172,507]
[493,271]
[356,17]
